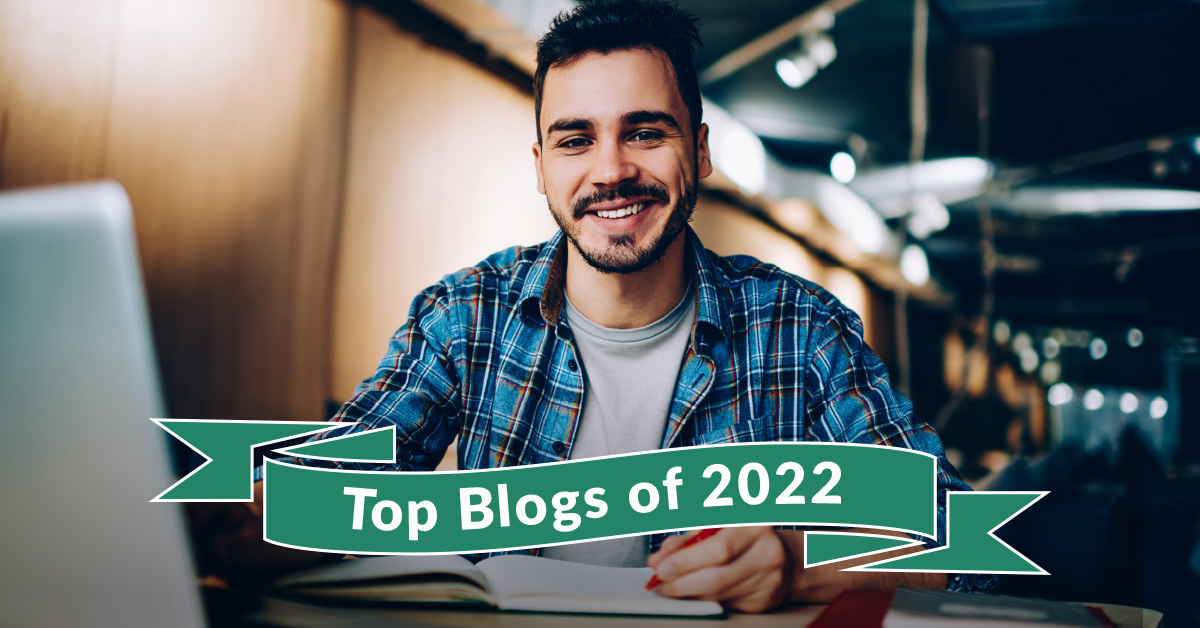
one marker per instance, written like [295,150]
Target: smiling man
[623,334]
[617,166]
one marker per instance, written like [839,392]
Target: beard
[620,254]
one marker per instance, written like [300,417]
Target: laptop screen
[80,460]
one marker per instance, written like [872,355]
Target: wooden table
[295,615]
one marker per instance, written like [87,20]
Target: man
[623,334]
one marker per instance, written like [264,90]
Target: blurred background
[1007,192]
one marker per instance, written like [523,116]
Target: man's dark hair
[607,25]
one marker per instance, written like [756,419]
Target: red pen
[1101,616]
[704,534]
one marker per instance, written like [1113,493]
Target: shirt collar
[549,269]
[542,295]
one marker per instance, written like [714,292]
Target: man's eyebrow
[570,124]
[648,117]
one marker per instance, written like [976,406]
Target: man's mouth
[622,212]
[626,201]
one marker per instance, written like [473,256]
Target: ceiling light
[1060,394]
[1051,372]
[1001,331]
[1134,337]
[928,216]
[1092,200]
[796,71]
[1029,360]
[816,53]
[1093,399]
[1158,408]
[914,265]
[891,189]
[820,49]
[1022,342]
[842,167]
[1129,403]
[1098,348]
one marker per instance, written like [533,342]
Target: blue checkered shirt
[487,356]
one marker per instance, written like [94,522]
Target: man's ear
[703,156]
[537,166]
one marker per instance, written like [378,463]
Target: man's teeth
[623,212]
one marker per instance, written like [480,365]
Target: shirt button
[573,365]
[558,447]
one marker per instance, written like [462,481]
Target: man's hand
[746,569]
[228,542]
[757,569]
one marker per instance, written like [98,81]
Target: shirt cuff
[972,582]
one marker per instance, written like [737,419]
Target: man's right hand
[227,541]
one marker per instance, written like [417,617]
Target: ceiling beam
[764,44]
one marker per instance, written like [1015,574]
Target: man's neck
[628,301]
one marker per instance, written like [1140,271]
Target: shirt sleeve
[415,388]
[850,399]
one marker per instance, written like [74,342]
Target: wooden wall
[224,121]
[440,175]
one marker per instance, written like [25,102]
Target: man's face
[617,162]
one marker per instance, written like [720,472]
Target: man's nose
[613,164]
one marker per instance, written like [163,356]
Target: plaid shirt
[487,356]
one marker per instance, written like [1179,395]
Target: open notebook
[511,583]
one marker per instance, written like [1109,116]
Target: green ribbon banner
[842,485]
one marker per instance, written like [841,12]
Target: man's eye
[646,136]
[575,142]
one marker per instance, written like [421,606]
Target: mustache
[623,191]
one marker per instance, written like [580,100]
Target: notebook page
[381,567]
[657,606]
[532,583]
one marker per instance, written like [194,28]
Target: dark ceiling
[1067,77]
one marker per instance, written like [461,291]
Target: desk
[294,615]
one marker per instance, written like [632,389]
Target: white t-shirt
[629,383]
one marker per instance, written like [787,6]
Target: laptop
[80,460]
